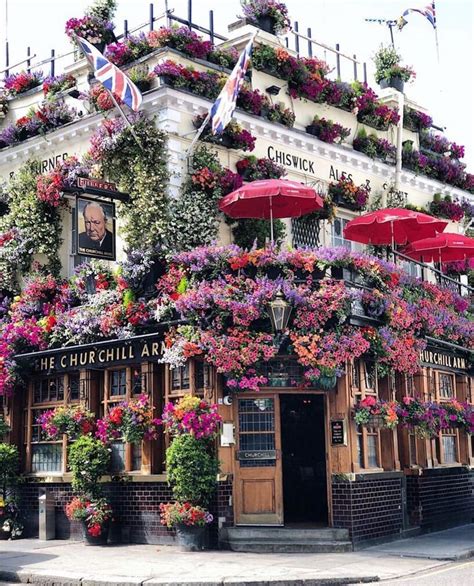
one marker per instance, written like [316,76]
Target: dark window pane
[372,451]
[117,457]
[74,387]
[118,382]
[46,458]
[136,456]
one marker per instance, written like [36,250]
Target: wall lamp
[273,90]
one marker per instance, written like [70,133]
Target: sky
[446,88]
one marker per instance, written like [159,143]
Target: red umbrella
[393,226]
[443,248]
[271,198]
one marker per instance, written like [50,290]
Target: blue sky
[446,89]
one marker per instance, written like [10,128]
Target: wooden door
[258,489]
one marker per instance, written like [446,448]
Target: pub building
[289,457]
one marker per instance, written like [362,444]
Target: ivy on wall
[141,171]
[30,227]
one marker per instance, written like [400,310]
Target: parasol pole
[271,220]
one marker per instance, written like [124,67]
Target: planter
[166,80]
[267,24]
[376,421]
[396,83]
[144,85]
[100,46]
[149,280]
[100,539]
[324,382]
[4,535]
[192,537]
[274,272]
[313,129]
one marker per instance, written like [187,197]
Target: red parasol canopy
[271,198]
[393,226]
[443,248]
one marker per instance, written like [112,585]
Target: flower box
[396,83]
[340,201]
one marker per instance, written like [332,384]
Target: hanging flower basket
[267,24]
[376,421]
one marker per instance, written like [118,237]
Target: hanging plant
[141,171]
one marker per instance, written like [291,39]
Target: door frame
[269,391]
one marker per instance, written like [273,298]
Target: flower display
[191,415]
[251,169]
[94,513]
[387,66]
[369,410]
[370,110]
[58,83]
[99,98]
[17,83]
[172,514]
[49,187]
[277,12]
[437,143]
[207,84]
[374,147]
[447,208]
[416,120]
[344,192]
[233,137]
[131,421]
[72,420]
[327,130]
[94,29]
[256,103]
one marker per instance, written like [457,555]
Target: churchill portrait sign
[95,228]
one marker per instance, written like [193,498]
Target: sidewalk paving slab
[69,563]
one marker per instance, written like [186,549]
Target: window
[338,239]
[180,377]
[445,447]
[257,431]
[446,385]
[364,384]
[45,393]
[118,382]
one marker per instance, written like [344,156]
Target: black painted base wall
[136,510]
[440,498]
[370,507]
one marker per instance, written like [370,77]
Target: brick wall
[135,505]
[370,507]
[441,497]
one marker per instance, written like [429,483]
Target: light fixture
[279,312]
[273,90]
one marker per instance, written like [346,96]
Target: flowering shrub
[327,130]
[368,410]
[192,415]
[251,169]
[416,120]
[58,83]
[374,147]
[89,460]
[72,420]
[132,421]
[447,208]
[49,187]
[93,513]
[427,419]
[254,10]
[94,29]
[345,192]
[233,137]
[17,83]
[173,514]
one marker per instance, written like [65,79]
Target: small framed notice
[338,432]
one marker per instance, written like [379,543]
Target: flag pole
[127,121]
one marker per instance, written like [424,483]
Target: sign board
[338,432]
[435,358]
[256,455]
[95,183]
[95,228]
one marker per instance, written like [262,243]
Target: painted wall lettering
[291,161]
[47,165]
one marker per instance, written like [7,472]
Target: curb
[47,579]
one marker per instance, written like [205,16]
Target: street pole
[398,168]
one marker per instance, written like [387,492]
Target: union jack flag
[223,108]
[111,77]
[429,12]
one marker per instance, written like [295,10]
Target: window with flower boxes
[445,447]
[123,384]
[45,393]
[367,438]
[195,377]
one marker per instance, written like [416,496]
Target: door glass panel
[256,432]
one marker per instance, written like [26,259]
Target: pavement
[69,563]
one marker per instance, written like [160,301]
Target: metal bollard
[47,527]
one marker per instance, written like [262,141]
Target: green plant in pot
[10,525]
[388,70]
[140,77]
[89,460]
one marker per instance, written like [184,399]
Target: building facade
[290,455]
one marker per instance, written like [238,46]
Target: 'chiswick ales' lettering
[289,160]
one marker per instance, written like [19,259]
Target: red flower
[95,530]
[115,415]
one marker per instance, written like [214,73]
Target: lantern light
[279,312]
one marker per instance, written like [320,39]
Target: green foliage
[88,460]
[193,218]
[142,173]
[9,464]
[38,223]
[248,231]
[104,9]
[4,429]
[192,470]
[387,65]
